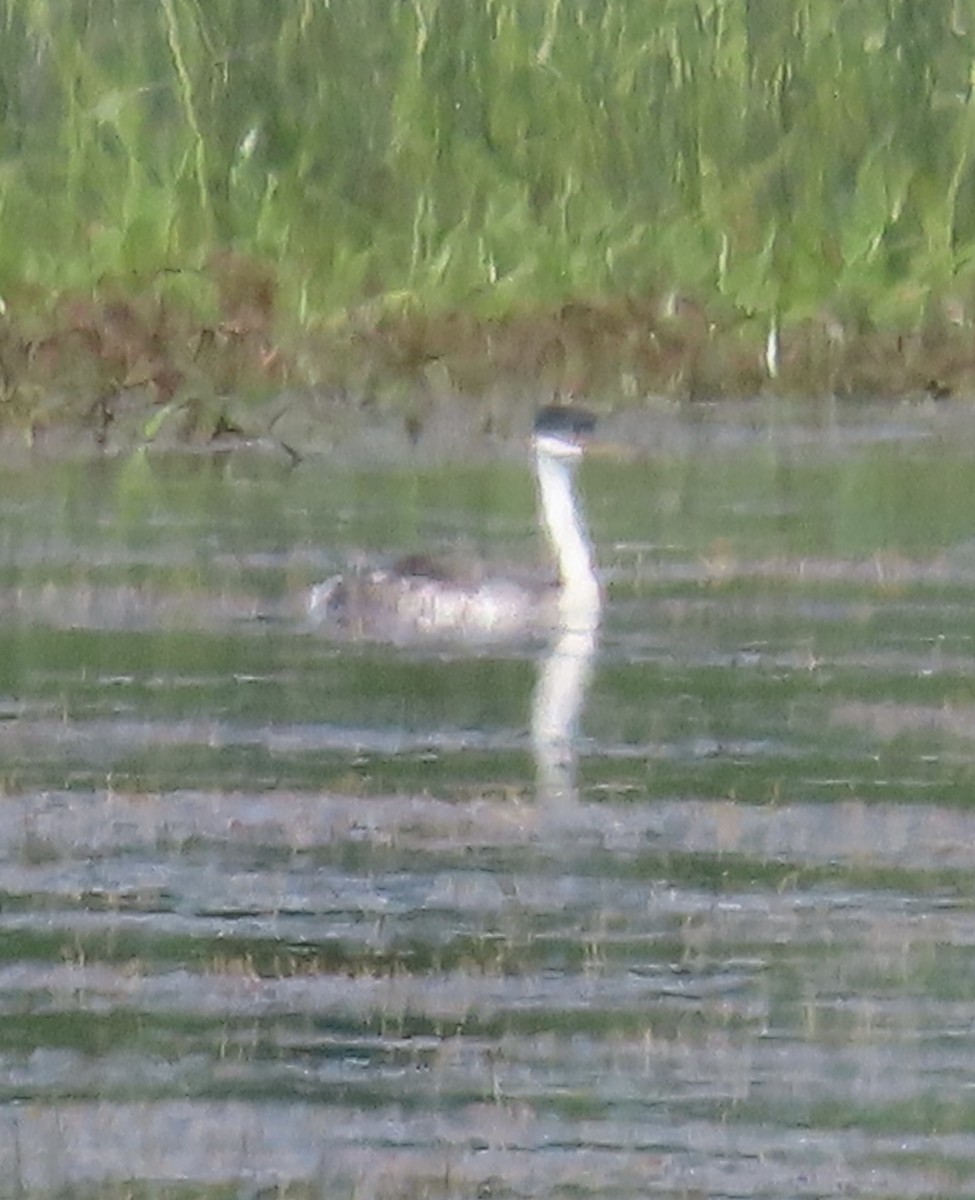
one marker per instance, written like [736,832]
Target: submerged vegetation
[686,195]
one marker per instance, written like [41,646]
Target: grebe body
[415,599]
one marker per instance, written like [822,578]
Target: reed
[783,163]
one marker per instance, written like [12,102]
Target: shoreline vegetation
[203,206]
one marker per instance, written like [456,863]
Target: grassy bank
[675,195]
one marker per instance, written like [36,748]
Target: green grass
[786,167]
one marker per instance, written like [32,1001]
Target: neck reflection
[560,691]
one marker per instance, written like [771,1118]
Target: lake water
[289,916]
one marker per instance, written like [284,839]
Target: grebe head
[561,432]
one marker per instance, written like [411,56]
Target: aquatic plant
[790,168]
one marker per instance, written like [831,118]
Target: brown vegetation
[140,348]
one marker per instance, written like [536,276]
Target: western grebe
[415,599]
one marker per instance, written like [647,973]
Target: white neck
[567,536]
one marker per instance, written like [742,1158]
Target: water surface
[287,915]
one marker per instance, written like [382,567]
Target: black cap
[561,420]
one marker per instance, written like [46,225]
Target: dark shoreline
[133,368]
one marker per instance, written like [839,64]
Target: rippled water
[287,916]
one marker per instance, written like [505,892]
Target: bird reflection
[560,692]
